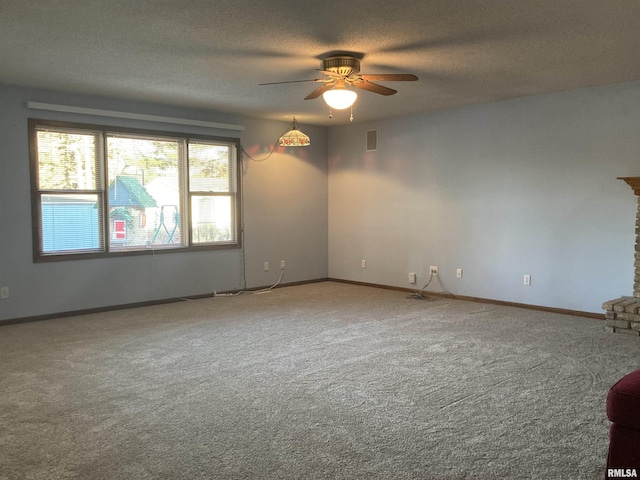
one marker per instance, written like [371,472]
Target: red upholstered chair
[623,409]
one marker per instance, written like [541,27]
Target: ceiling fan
[341,71]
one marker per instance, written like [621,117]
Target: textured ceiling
[213,54]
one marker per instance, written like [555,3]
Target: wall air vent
[372,140]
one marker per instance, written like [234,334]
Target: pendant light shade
[339,97]
[294,137]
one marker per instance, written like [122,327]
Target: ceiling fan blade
[374,87]
[319,91]
[293,81]
[390,77]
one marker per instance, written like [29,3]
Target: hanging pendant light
[294,137]
[339,97]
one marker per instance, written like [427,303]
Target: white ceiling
[213,54]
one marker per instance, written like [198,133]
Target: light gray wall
[526,186]
[285,211]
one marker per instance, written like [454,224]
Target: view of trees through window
[70,195]
[158,192]
[144,192]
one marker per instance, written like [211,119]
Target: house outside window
[101,191]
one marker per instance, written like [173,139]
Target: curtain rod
[131,116]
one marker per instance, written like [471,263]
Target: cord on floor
[252,292]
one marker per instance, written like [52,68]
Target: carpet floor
[318,381]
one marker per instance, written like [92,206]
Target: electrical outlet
[527,280]
[282,264]
[266,266]
[4,292]
[363,263]
[459,273]
[412,278]
[433,271]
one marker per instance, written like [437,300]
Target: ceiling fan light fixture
[294,137]
[339,97]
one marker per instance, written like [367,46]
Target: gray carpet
[321,381]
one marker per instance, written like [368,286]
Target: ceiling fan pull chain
[351,117]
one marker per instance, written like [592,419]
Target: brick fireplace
[623,314]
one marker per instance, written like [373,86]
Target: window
[100,191]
